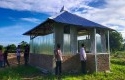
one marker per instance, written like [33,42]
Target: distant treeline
[12,47]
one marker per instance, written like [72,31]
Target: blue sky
[19,16]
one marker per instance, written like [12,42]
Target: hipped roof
[66,17]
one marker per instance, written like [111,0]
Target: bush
[118,54]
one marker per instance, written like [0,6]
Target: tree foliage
[22,45]
[1,47]
[123,48]
[116,41]
[12,48]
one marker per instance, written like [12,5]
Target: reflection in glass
[98,43]
[42,44]
[66,44]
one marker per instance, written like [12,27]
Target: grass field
[21,72]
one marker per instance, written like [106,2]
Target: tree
[1,46]
[12,48]
[22,45]
[123,48]
[116,41]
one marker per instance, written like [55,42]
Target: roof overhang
[46,26]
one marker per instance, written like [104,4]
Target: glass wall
[42,44]
[101,42]
[98,43]
[66,40]
[69,40]
[89,40]
[86,41]
[66,45]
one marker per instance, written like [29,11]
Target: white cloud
[123,33]
[34,20]
[112,14]
[51,6]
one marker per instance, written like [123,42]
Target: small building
[70,31]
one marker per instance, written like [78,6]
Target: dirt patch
[13,59]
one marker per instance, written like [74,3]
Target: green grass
[117,72]
[18,73]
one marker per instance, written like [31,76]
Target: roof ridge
[52,17]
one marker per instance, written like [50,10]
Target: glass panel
[101,42]
[66,45]
[98,43]
[86,41]
[42,44]
[66,40]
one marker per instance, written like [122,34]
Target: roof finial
[62,9]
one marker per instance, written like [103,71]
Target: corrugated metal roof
[69,18]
